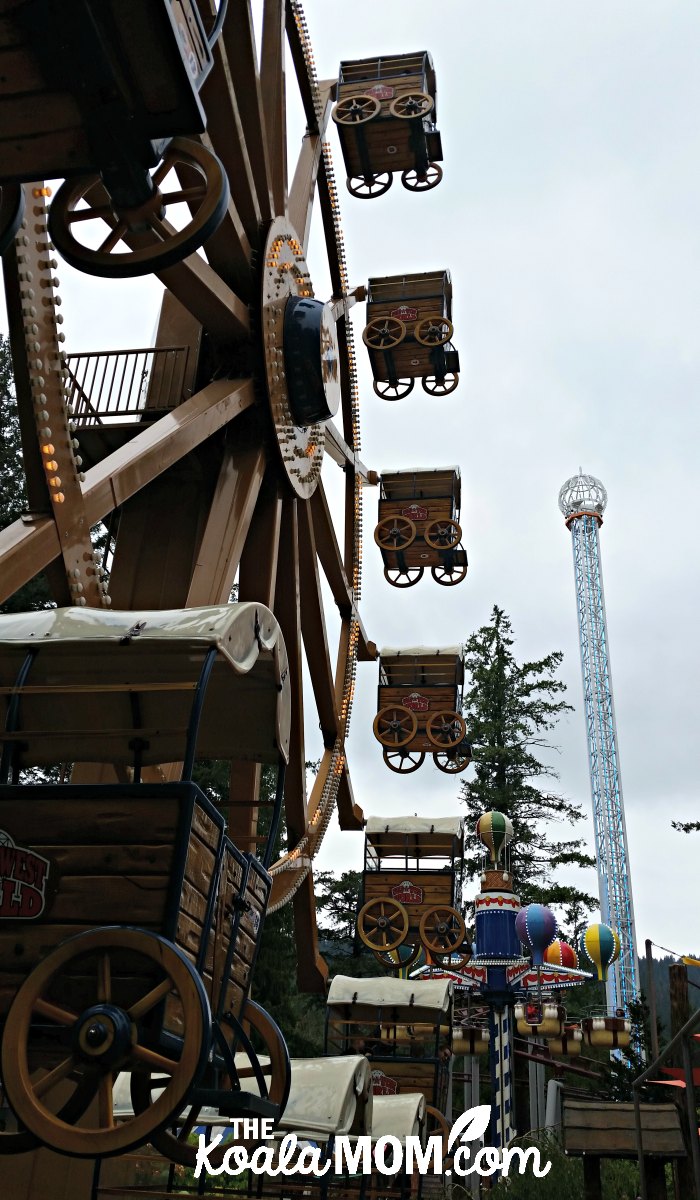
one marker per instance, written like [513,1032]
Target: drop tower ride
[582,500]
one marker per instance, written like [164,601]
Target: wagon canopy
[99,679]
[419,836]
[421,665]
[326,1094]
[420,483]
[400,1000]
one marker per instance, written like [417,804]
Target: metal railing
[114,386]
[683,1041]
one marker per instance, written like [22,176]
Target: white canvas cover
[399,999]
[329,1096]
[93,666]
[445,826]
[399,1116]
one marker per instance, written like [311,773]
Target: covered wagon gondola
[418,526]
[408,334]
[404,1027]
[385,115]
[412,888]
[130,922]
[419,709]
[100,93]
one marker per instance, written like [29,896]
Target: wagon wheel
[442,930]
[422,181]
[451,762]
[270,1078]
[452,962]
[17,1140]
[11,213]
[382,924]
[443,535]
[395,726]
[400,959]
[440,385]
[395,533]
[411,105]
[437,1123]
[105,1037]
[355,110]
[433,331]
[382,333]
[403,762]
[405,577]
[449,574]
[156,243]
[393,391]
[446,729]
[256,507]
[367,187]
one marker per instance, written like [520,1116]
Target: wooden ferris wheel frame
[205,494]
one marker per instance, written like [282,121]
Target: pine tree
[510,708]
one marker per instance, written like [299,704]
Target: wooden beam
[239,40]
[303,189]
[272,86]
[226,530]
[312,972]
[350,815]
[344,455]
[313,626]
[286,609]
[207,297]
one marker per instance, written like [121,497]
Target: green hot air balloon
[495,831]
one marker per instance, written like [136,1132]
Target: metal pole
[651,993]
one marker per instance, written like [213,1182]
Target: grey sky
[568,217]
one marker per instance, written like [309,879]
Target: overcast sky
[568,216]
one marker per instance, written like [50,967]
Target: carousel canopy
[99,679]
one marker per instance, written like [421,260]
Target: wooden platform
[599,1128]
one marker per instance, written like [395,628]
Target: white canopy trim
[101,678]
[450,826]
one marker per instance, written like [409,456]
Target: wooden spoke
[272,85]
[78,1129]
[44,1085]
[104,979]
[54,1012]
[395,726]
[149,1001]
[382,924]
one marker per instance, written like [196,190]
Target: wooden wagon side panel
[399,1075]
[416,890]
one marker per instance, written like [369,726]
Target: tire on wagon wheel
[398,390]
[356,110]
[403,762]
[446,730]
[442,930]
[382,924]
[395,532]
[452,761]
[368,187]
[443,535]
[422,181]
[129,975]
[403,577]
[395,726]
[383,333]
[156,243]
[236,1060]
[411,106]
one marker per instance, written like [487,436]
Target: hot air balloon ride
[495,831]
[600,946]
[561,954]
[536,926]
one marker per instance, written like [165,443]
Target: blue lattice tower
[582,500]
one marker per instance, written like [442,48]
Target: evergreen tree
[510,708]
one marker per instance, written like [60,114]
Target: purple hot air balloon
[536,926]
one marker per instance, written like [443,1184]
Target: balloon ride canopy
[497,906]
